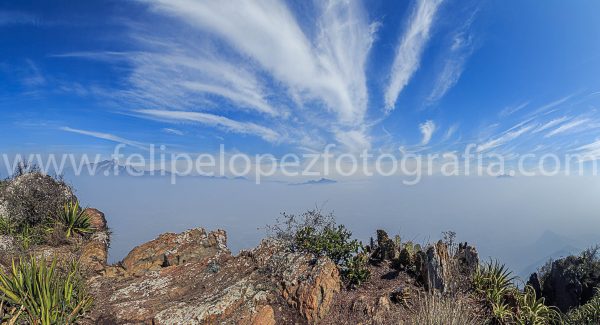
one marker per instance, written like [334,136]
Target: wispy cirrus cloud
[461,49]
[550,124]
[567,127]
[410,49]
[255,57]
[106,136]
[427,129]
[589,151]
[505,137]
[218,121]
[513,109]
[329,68]
[549,106]
[172,131]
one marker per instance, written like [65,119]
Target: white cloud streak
[254,56]
[549,124]
[566,127]
[513,109]
[330,68]
[211,120]
[460,51]
[427,129]
[504,138]
[173,131]
[106,136]
[553,104]
[410,49]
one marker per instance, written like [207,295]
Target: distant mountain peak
[317,182]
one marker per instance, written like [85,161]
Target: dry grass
[435,310]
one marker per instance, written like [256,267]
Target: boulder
[311,288]
[175,249]
[33,197]
[94,253]
[97,219]
[562,286]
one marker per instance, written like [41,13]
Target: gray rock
[33,197]
[468,258]
[7,243]
[434,268]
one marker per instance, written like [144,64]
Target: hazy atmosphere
[407,120]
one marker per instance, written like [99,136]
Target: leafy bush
[43,294]
[532,310]
[356,270]
[587,314]
[32,198]
[333,241]
[581,273]
[318,234]
[74,220]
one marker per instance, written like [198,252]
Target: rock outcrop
[569,282]
[435,267]
[191,278]
[33,196]
[175,249]
[97,219]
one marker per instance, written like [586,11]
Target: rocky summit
[308,270]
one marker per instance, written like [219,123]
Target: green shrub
[44,294]
[333,241]
[588,314]
[357,269]
[531,310]
[318,234]
[74,220]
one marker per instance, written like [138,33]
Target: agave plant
[74,220]
[494,281]
[533,311]
[42,294]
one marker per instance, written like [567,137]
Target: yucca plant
[494,282]
[531,310]
[43,294]
[74,220]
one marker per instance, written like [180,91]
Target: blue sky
[274,76]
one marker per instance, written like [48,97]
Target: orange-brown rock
[97,219]
[175,249]
[311,295]
[267,285]
[94,253]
